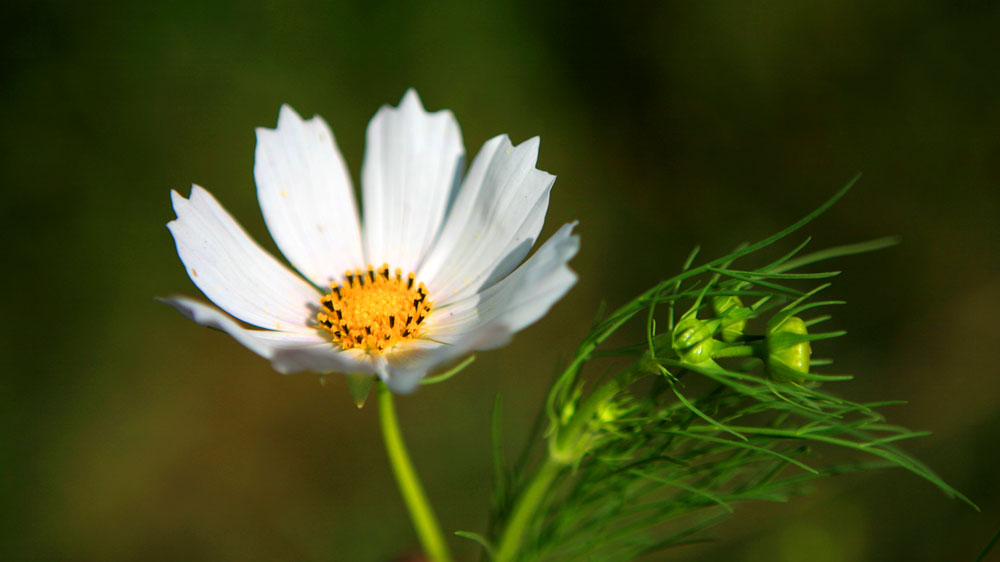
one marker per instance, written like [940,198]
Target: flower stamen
[374,310]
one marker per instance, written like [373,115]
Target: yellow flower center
[374,310]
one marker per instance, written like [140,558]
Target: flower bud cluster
[697,341]
[784,348]
[584,423]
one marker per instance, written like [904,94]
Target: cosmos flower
[428,273]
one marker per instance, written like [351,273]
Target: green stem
[420,510]
[513,534]
[753,350]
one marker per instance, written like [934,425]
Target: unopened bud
[787,352]
[722,305]
[732,314]
[692,339]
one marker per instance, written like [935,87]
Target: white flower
[445,249]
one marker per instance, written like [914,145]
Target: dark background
[129,433]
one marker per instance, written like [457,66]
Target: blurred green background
[129,433]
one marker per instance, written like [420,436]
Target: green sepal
[359,385]
[450,372]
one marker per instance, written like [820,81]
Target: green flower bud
[733,316]
[787,352]
[610,412]
[692,339]
[724,304]
[569,408]
[585,427]
[700,352]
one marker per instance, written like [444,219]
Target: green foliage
[717,404]
[989,547]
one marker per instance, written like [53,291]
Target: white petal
[488,319]
[494,223]
[233,271]
[412,160]
[410,362]
[306,197]
[289,352]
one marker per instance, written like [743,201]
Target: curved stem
[420,510]
[513,534]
